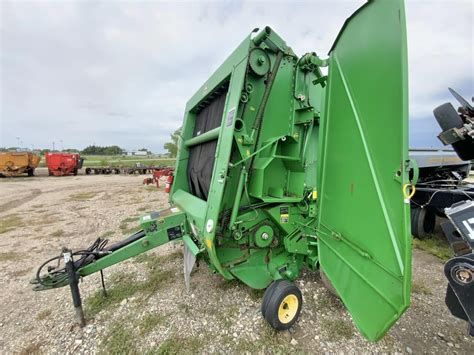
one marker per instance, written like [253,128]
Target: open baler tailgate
[363,222]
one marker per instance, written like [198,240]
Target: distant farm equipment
[138,168]
[158,174]
[60,164]
[18,163]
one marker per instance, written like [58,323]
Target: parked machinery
[60,164]
[158,174]
[458,131]
[18,163]
[281,168]
[458,127]
[440,184]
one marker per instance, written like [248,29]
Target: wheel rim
[288,308]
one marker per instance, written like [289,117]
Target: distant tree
[172,147]
[97,150]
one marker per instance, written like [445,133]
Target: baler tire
[267,294]
[423,222]
[74,172]
[31,172]
[327,283]
[284,305]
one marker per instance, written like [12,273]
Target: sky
[120,72]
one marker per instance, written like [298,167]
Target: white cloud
[121,72]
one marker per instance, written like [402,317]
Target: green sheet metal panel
[363,221]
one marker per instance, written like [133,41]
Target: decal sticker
[284,216]
[230,117]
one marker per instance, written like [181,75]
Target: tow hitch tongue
[66,269]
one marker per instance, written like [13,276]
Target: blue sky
[121,72]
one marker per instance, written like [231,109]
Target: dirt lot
[148,309]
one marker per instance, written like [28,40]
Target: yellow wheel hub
[288,308]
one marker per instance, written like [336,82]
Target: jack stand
[104,291]
[73,284]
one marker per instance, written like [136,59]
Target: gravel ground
[148,308]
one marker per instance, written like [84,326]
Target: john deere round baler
[283,167]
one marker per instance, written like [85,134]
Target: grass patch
[420,288]
[58,233]
[107,234]
[186,308]
[225,315]
[255,295]
[144,208]
[126,229]
[179,345]
[435,246]
[155,261]
[149,322]
[338,329]
[33,348]
[226,285]
[10,222]
[119,341]
[151,188]
[18,273]
[82,196]
[9,256]
[155,281]
[124,286]
[43,314]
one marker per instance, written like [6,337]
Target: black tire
[327,283]
[88,171]
[286,297]
[74,172]
[423,221]
[50,173]
[31,172]
[267,295]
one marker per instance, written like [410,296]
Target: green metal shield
[363,221]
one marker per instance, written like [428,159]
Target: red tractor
[60,164]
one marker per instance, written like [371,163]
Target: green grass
[150,322]
[176,344]
[126,229]
[107,234]
[9,256]
[130,219]
[82,196]
[420,287]
[119,340]
[10,222]
[33,348]
[22,272]
[43,314]
[436,246]
[123,286]
[58,233]
[255,295]
[338,329]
